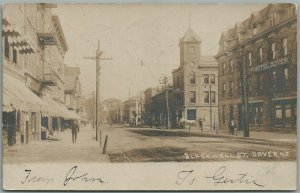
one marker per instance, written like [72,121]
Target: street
[156,145]
[127,144]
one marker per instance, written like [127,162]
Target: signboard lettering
[272,64]
[46,39]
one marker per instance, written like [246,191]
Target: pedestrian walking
[75,130]
[231,127]
[235,128]
[201,124]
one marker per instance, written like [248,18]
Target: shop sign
[46,39]
[272,64]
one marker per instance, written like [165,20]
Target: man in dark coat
[75,130]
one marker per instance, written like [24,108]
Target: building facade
[148,95]
[132,110]
[257,64]
[33,49]
[72,88]
[195,84]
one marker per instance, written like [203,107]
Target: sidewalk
[273,137]
[260,135]
[87,149]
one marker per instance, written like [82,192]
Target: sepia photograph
[149,96]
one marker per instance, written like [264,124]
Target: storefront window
[278,115]
[15,56]
[288,115]
[191,114]
[285,113]
[255,114]
[6,48]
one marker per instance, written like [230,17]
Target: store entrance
[240,117]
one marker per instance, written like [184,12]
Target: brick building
[195,83]
[148,95]
[263,49]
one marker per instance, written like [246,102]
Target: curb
[268,141]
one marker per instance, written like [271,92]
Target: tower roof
[190,37]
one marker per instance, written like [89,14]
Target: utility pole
[164,81]
[210,110]
[98,69]
[141,101]
[243,75]
[93,109]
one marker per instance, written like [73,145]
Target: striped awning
[17,38]
[16,95]
[58,109]
[9,30]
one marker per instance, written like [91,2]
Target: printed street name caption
[279,155]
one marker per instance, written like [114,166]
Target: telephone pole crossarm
[97,58]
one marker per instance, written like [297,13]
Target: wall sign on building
[46,39]
[272,64]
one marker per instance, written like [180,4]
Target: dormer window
[254,29]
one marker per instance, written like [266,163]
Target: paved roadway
[147,145]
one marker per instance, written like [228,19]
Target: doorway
[27,132]
[240,116]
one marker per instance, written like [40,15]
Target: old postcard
[149,96]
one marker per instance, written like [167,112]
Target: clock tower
[190,49]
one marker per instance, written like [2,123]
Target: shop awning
[20,39]
[58,109]
[18,96]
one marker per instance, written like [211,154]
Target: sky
[132,34]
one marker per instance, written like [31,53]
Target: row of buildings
[191,96]
[257,65]
[39,90]
[252,79]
